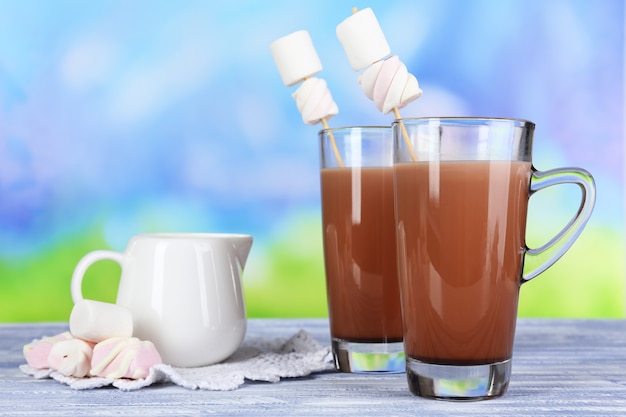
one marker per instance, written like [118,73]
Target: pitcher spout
[242,245]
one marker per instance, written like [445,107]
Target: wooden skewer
[405,134]
[333,143]
[332,140]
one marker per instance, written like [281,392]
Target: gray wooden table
[560,367]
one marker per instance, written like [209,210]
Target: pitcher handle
[538,260]
[82,266]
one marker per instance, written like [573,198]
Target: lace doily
[257,359]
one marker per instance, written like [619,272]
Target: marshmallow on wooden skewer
[295,57]
[363,39]
[96,321]
[386,81]
[314,101]
[297,61]
[389,84]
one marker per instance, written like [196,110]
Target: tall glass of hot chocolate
[360,249]
[462,190]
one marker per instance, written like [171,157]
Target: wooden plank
[560,367]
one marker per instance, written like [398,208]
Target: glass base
[458,382]
[357,357]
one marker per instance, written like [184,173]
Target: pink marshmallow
[389,84]
[36,353]
[124,357]
[71,357]
[314,101]
[384,79]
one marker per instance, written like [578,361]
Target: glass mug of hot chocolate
[462,191]
[360,249]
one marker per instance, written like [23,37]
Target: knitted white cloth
[257,359]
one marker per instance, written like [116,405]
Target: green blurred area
[284,277]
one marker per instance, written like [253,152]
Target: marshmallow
[314,101]
[122,357]
[96,321]
[37,352]
[362,39]
[71,357]
[295,57]
[389,85]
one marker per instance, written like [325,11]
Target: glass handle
[538,260]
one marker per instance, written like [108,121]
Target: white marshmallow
[295,57]
[96,321]
[362,39]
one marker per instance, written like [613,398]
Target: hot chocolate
[461,228]
[360,254]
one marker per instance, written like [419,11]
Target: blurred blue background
[121,117]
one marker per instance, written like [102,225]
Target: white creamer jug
[184,292]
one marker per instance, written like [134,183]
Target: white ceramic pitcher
[184,292]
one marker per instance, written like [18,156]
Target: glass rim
[357,127]
[465,120]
